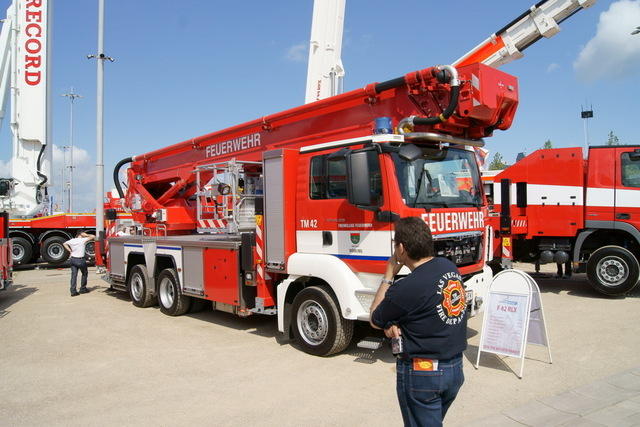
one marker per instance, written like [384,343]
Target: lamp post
[72,97]
[101,57]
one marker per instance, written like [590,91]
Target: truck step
[371,343]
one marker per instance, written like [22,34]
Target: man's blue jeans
[78,264]
[425,396]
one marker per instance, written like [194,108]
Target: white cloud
[297,53]
[84,178]
[552,67]
[613,52]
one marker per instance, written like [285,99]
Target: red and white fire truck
[25,63]
[557,206]
[292,214]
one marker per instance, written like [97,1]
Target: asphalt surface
[96,359]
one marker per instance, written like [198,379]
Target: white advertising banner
[31,64]
[505,325]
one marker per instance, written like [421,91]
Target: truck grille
[462,249]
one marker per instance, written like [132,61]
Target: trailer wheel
[170,297]
[613,270]
[138,288]
[317,324]
[53,250]
[90,250]
[21,251]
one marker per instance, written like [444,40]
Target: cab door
[627,188]
[328,224]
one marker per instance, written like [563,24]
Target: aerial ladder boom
[24,65]
[325,71]
[507,44]
[5,61]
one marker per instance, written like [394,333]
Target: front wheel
[170,297]
[317,324]
[613,270]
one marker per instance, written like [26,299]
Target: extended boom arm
[507,44]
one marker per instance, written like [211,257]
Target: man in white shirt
[76,249]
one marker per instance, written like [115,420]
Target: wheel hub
[136,287]
[55,250]
[18,252]
[613,271]
[313,322]
[167,293]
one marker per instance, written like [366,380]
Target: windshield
[445,177]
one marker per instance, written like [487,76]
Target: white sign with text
[513,317]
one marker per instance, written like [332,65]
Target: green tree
[547,144]
[497,163]
[612,139]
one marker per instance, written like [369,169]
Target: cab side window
[328,178]
[630,171]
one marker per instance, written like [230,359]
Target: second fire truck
[557,206]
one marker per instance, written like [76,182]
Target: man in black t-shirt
[427,309]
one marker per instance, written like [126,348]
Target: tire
[22,250]
[139,290]
[317,324]
[53,250]
[90,250]
[613,270]
[170,298]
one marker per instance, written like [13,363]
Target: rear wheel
[317,324]
[90,249]
[613,270]
[21,251]
[170,297]
[53,250]
[138,287]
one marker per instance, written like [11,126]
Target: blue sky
[190,67]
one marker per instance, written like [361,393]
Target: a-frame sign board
[513,317]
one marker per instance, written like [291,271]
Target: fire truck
[292,214]
[555,205]
[34,230]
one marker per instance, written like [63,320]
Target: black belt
[443,361]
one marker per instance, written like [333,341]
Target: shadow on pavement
[12,295]
[577,285]
[487,360]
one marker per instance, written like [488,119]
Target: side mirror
[359,179]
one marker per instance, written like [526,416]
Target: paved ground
[610,401]
[97,360]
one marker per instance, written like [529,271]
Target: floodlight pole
[72,97]
[101,57]
[586,115]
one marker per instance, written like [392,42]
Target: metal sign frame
[506,283]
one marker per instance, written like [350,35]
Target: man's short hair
[415,236]
[79,233]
